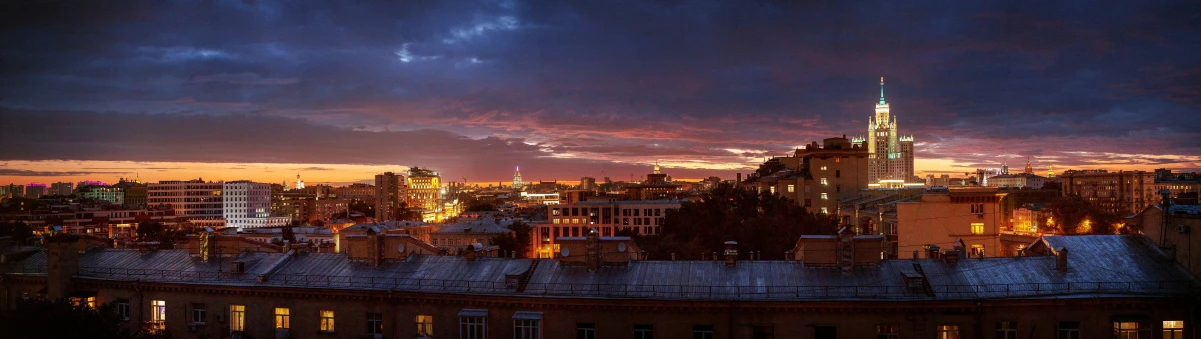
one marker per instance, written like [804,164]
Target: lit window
[823,168]
[237,317]
[825,196]
[772,189]
[825,210]
[977,228]
[824,182]
[425,325]
[327,320]
[158,310]
[1126,329]
[1173,329]
[85,302]
[791,188]
[948,332]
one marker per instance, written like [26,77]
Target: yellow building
[425,189]
[943,216]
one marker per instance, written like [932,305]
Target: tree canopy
[760,222]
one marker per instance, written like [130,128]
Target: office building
[197,201]
[247,204]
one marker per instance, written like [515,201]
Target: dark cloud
[29,173]
[613,82]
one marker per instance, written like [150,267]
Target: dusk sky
[339,91]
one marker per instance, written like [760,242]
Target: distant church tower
[299,183]
[890,154]
[517,178]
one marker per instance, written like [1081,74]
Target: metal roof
[1100,266]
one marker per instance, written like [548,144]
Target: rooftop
[1100,266]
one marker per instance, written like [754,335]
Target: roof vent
[731,253]
[1061,259]
[238,267]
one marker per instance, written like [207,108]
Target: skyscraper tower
[890,154]
[517,178]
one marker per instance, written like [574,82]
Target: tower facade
[389,193]
[517,178]
[890,154]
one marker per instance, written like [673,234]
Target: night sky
[338,91]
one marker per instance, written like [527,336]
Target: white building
[247,204]
[1017,180]
[198,201]
[607,216]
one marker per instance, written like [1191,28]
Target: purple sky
[570,89]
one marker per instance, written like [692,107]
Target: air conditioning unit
[1182,229]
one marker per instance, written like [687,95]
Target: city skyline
[233,91]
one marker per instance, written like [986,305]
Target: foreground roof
[1100,266]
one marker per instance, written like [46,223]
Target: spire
[882,102]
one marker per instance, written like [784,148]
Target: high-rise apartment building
[424,189]
[113,195]
[35,190]
[195,200]
[890,154]
[587,184]
[135,191]
[246,204]
[389,193]
[1123,193]
[62,188]
[517,178]
[14,191]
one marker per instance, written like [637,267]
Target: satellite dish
[564,252]
[621,247]
[400,248]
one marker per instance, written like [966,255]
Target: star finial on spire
[882,91]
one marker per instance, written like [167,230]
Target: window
[644,331]
[1126,329]
[85,302]
[837,173]
[1007,330]
[825,210]
[825,196]
[887,332]
[585,331]
[473,324]
[327,320]
[823,168]
[948,332]
[825,182]
[158,310]
[1173,329]
[425,325]
[123,308]
[763,332]
[527,325]
[772,189]
[198,312]
[977,228]
[282,317]
[375,323]
[825,332]
[702,332]
[791,188]
[838,188]
[237,317]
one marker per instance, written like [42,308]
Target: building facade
[247,204]
[424,189]
[643,217]
[196,200]
[1122,193]
[890,154]
[943,217]
[62,188]
[389,193]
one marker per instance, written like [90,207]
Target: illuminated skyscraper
[517,178]
[890,154]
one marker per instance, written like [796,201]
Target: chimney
[470,253]
[592,252]
[373,247]
[208,244]
[845,249]
[950,256]
[62,262]
[932,251]
[1061,259]
[731,253]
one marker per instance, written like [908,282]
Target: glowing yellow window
[977,228]
[327,321]
[791,188]
[282,318]
[237,317]
[1173,329]
[425,325]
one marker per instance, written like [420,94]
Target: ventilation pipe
[731,253]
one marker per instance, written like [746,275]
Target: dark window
[825,332]
[198,313]
[585,331]
[1007,330]
[837,173]
[702,332]
[123,308]
[375,323]
[887,332]
[643,331]
[763,332]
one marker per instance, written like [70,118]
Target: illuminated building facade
[62,188]
[643,217]
[247,204]
[195,200]
[424,189]
[890,154]
[819,176]
[111,194]
[517,178]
